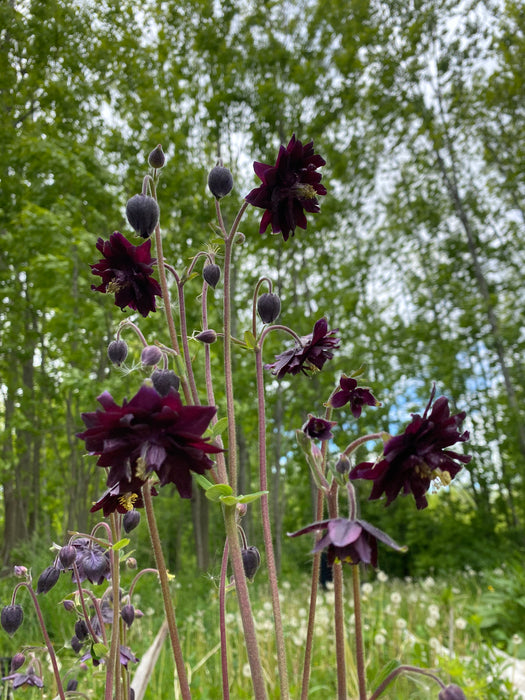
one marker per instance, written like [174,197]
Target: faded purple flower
[356,396]
[315,349]
[150,433]
[416,457]
[29,678]
[318,428]
[289,188]
[127,271]
[349,541]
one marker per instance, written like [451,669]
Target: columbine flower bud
[47,579]
[130,520]
[163,380]
[452,692]
[67,556]
[251,560]
[220,181]
[17,661]
[81,630]
[143,214]
[117,351]
[208,336]
[20,571]
[75,644]
[156,158]
[151,355]
[69,606]
[131,563]
[72,685]
[342,466]
[128,614]
[211,274]
[11,618]
[268,307]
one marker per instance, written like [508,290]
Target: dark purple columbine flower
[126,270]
[315,349]
[122,497]
[349,541]
[416,457]
[150,433]
[318,428]
[356,396]
[289,188]
[29,678]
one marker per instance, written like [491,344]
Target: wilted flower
[289,188]
[413,459]
[150,433]
[349,541]
[127,270]
[355,395]
[318,428]
[315,349]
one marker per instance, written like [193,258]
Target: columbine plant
[169,433]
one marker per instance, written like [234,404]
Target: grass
[433,624]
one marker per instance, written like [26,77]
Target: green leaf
[202,481]
[121,544]
[217,492]
[99,650]
[251,497]
[249,339]
[219,427]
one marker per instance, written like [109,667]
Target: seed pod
[208,336]
[47,579]
[251,560]
[11,618]
[164,380]
[131,519]
[220,181]
[117,351]
[151,355]
[211,274]
[156,158]
[268,307]
[143,214]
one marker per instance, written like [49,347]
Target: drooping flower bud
[342,466]
[151,355]
[72,685]
[81,630]
[163,380]
[67,556]
[117,351]
[268,307]
[69,606]
[20,571]
[48,579]
[131,563]
[220,181]
[11,618]
[128,614]
[17,661]
[75,644]
[251,560]
[156,158]
[208,336]
[143,214]
[452,692]
[211,274]
[131,519]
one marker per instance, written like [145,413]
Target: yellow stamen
[127,500]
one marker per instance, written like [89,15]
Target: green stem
[250,638]
[164,585]
[404,669]
[267,531]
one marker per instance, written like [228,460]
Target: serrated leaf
[249,339]
[218,491]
